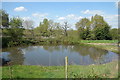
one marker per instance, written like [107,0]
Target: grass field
[110,45]
[0,73]
[112,48]
[99,41]
[109,70]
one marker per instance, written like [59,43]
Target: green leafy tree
[58,30]
[54,29]
[4,19]
[83,27]
[100,28]
[114,33]
[16,29]
[51,28]
[44,28]
[83,23]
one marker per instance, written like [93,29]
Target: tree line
[19,30]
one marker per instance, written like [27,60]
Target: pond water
[55,55]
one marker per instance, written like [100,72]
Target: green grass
[108,70]
[109,48]
[112,48]
[99,41]
[0,73]
[105,44]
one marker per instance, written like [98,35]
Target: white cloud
[40,15]
[74,17]
[61,18]
[26,18]
[92,12]
[112,20]
[21,8]
[70,17]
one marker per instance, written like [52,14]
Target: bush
[5,41]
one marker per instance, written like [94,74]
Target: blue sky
[62,11]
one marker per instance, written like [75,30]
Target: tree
[51,28]
[83,23]
[114,33]
[97,28]
[4,19]
[44,28]
[83,27]
[28,25]
[100,27]
[16,23]
[65,27]
[58,31]
[16,29]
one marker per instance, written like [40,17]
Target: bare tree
[29,25]
[65,27]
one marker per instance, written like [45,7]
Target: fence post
[66,62]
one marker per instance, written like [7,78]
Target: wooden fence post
[66,62]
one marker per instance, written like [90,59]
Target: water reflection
[15,55]
[94,53]
[54,55]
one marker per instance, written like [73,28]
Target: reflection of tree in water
[52,48]
[30,48]
[56,48]
[94,53]
[16,56]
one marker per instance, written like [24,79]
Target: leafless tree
[65,27]
[29,25]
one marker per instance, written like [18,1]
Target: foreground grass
[0,73]
[109,70]
[99,41]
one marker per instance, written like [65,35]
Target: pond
[55,55]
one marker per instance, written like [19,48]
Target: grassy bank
[109,70]
[99,41]
[112,48]
[110,45]
[8,42]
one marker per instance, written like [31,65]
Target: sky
[71,12]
